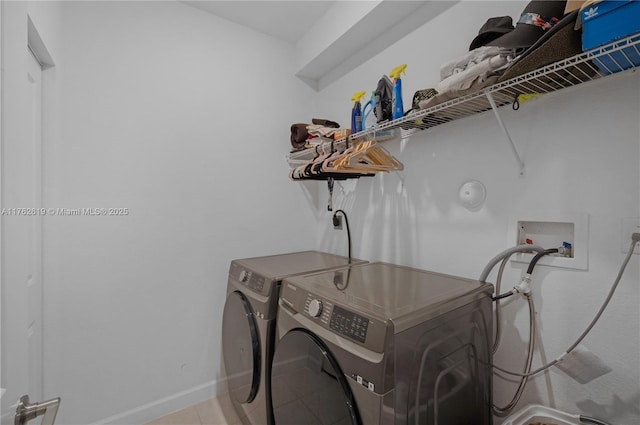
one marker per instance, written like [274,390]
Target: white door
[22,350]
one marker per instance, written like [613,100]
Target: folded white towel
[491,64]
[472,58]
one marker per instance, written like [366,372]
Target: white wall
[182,118]
[581,151]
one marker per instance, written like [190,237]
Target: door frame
[2,390]
[16,40]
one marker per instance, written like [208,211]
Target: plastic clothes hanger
[305,170]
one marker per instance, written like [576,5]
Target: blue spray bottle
[398,109]
[356,112]
[368,117]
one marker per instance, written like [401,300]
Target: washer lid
[277,267]
[391,292]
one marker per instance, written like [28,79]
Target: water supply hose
[498,308]
[635,240]
[507,252]
[523,287]
[537,258]
[504,411]
[504,257]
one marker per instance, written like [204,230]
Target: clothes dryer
[248,324]
[392,345]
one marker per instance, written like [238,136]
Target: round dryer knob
[244,276]
[315,308]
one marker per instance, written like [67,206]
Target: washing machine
[248,324]
[391,345]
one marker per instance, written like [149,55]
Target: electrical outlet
[337,222]
[630,225]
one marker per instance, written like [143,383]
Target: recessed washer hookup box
[608,21]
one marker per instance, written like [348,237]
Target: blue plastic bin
[608,21]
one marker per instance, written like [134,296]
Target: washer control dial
[244,276]
[315,308]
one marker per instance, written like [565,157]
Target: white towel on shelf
[472,58]
[320,130]
[491,64]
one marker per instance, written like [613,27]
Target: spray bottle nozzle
[357,96]
[395,72]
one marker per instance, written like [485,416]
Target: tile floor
[216,411]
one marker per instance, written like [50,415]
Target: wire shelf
[601,62]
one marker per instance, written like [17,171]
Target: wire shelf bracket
[494,108]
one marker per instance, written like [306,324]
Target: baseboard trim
[164,406]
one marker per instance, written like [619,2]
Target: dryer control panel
[343,321]
[350,324]
[338,319]
[250,279]
[318,308]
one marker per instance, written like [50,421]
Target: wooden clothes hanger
[315,169]
[366,157]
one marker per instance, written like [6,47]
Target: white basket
[535,414]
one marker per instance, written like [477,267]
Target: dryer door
[307,384]
[241,348]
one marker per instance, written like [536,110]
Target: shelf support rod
[330,186]
[494,107]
